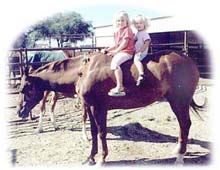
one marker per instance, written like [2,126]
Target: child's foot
[140,79]
[117,92]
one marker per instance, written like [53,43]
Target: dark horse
[169,74]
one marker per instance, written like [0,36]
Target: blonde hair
[121,14]
[142,19]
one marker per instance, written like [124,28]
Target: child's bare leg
[119,89]
[140,69]
[118,76]
[139,66]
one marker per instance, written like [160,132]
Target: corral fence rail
[23,60]
[23,56]
[196,51]
[189,48]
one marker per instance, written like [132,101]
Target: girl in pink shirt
[121,51]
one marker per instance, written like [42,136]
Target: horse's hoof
[39,131]
[89,162]
[100,163]
[179,160]
[179,163]
[56,128]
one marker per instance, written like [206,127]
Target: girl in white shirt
[142,42]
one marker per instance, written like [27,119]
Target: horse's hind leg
[53,104]
[84,118]
[181,111]
[101,121]
[42,112]
[94,133]
[98,120]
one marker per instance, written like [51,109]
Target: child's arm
[123,45]
[110,48]
[144,47]
[106,50]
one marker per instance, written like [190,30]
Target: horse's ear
[26,71]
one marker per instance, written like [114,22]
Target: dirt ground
[143,136]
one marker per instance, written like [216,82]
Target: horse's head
[30,94]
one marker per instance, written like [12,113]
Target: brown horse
[169,74]
[46,57]
[54,97]
[58,76]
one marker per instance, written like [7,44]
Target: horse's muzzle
[23,112]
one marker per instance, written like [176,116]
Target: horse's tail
[196,108]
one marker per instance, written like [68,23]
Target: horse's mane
[40,69]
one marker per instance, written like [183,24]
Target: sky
[103,14]
[15,16]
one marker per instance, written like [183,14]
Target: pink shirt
[125,33]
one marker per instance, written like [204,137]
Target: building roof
[159,24]
[169,24]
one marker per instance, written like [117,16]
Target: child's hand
[112,53]
[138,54]
[104,51]
[109,54]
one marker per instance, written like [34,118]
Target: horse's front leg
[31,116]
[43,102]
[94,133]
[40,127]
[101,121]
[42,111]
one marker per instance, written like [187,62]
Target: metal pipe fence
[205,69]
[23,56]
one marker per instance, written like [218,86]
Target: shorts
[118,59]
[139,57]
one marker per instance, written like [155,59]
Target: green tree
[69,26]
[22,41]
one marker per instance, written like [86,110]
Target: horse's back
[179,74]
[167,73]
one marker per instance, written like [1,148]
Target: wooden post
[26,57]
[185,45]
[50,41]
[21,62]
